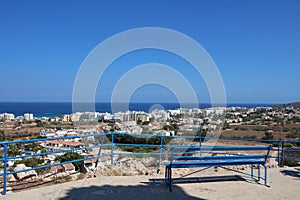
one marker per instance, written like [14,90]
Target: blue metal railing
[281,150]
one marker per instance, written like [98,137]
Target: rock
[140,168]
[11,178]
[149,162]
[24,175]
[272,163]
[47,179]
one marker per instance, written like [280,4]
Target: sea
[52,109]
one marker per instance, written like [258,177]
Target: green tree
[13,150]
[40,123]
[43,149]
[69,156]
[35,149]
[30,162]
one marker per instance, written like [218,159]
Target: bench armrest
[268,153]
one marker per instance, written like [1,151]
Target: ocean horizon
[52,109]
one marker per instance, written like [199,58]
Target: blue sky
[255,44]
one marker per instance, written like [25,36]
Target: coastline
[53,109]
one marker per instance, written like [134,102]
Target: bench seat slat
[223,148]
[229,157]
[213,163]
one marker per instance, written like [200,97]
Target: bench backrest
[230,151]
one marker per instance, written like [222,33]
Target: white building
[7,116]
[28,116]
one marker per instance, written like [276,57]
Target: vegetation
[171,127]
[260,128]
[250,137]
[29,162]
[40,123]
[294,120]
[129,139]
[16,135]
[14,150]
[69,156]
[239,137]
[268,136]
[34,147]
[32,162]
[294,134]
[242,128]
[288,161]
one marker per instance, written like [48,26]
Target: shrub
[268,136]
[30,162]
[250,137]
[69,156]
[290,162]
[293,134]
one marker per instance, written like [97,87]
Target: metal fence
[285,150]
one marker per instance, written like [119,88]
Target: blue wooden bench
[217,156]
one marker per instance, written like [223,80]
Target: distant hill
[295,105]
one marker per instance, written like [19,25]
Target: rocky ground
[124,166]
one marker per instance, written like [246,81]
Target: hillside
[295,105]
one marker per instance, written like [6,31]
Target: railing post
[200,141]
[160,150]
[278,153]
[100,149]
[5,168]
[282,153]
[112,150]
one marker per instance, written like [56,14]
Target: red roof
[69,166]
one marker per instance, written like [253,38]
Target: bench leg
[266,175]
[167,175]
[170,179]
[251,171]
[166,169]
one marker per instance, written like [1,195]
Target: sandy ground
[223,184]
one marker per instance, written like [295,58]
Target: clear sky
[255,44]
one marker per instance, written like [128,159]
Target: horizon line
[271,103]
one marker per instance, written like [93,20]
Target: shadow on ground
[293,173]
[209,179]
[142,192]
[154,189]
